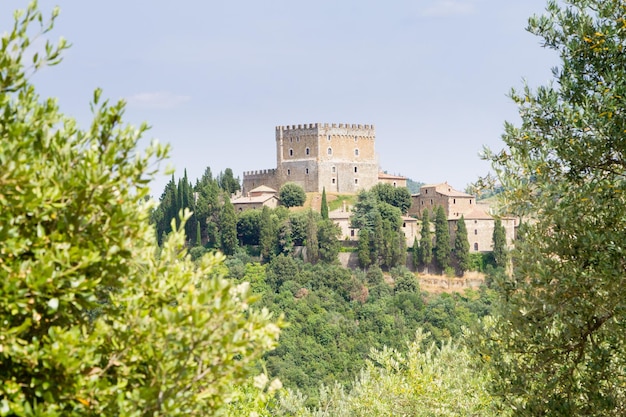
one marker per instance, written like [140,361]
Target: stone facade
[340,158]
[478,219]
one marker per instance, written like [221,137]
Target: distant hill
[414,186]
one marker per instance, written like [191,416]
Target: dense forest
[111,304]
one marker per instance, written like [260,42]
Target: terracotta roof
[263,189]
[253,200]
[383,175]
[477,214]
[446,189]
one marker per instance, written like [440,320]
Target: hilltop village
[341,159]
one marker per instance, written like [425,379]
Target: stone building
[338,157]
[256,199]
[478,219]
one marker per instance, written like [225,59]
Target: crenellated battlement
[260,172]
[324,126]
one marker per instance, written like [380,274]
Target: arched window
[330,151]
[356,170]
[290,152]
[328,137]
[475,231]
[307,151]
[476,246]
[356,181]
[333,169]
[288,172]
[395,184]
[306,171]
[356,152]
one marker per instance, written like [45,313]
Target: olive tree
[558,345]
[92,322]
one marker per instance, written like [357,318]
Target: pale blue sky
[214,78]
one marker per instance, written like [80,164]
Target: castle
[338,157]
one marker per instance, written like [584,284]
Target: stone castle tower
[340,158]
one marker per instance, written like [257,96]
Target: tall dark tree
[426,240]
[364,250]
[324,207]
[268,237]
[415,253]
[228,227]
[228,182]
[442,239]
[312,243]
[327,239]
[500,253]
[461,246]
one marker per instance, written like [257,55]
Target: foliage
[340,200]
[248,227]
[399,197]
[324,206]
[228,227]
[427,380]
[292,195]
[461,247]
[426,240]
[442,239]
[227,182]
[364,251]
[384,225]
[500,255]
[91,321]
[557,346]
[413,186]
[328,240]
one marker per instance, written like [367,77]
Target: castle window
[290,152]
[475,231]
[476,246]
[352,232]
[422,202]
[454,201]
[328,137]
[356,181]
[475,221]
[307,151]
[395,184]
[355,138]
[297,138]
[356,170]
[404,224]
[356,152]
[306,171]
[288,172]
[333,169]
[330,151]
[470,201]
[425,191]
[334,181]
[431,201]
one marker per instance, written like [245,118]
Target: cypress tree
[415,251]
[198,234]
[461,246]
[442,239]
[500,255]
[324,209]
[364,250]
[228,227]
[312,245]
[426,241]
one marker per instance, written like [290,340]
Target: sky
[214,78]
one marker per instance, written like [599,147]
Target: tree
[364,251]
[426,240]
[292,195]
[228,182]
[312,244]
[327,240]
[461,246]
[268,238]
[399,197]
[228,227]
[557,345]
[87,311]
[442,239]
[500,255]
[324,208]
